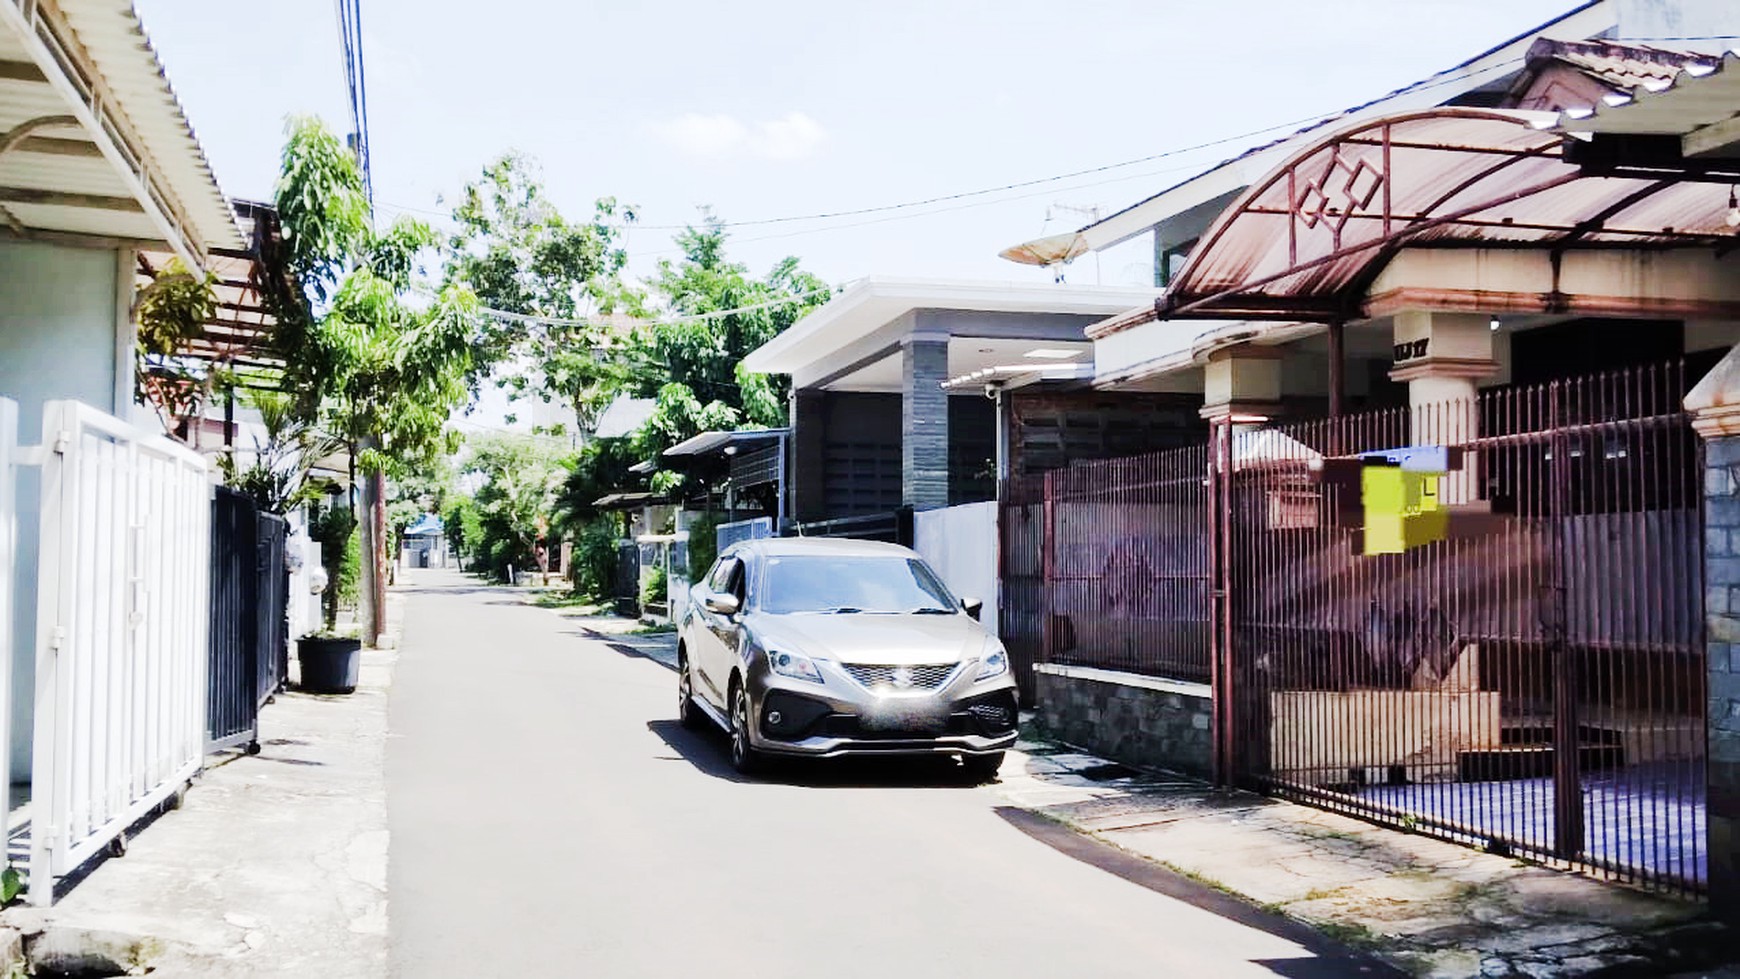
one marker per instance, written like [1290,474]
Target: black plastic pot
[329,665]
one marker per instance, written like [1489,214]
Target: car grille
[902,677]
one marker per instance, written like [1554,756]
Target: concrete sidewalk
[1430,907]
[275,865]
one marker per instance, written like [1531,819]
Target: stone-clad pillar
[1715,407]
[924,415]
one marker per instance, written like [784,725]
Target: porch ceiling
[92,139]
[239,333]
[1304,242]
[968,355]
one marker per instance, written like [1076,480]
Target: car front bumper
[841,717]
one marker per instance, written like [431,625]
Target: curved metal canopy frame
[1305,242]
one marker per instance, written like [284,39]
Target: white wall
[58,309]
[960,542]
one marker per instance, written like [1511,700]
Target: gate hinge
[61,441]
[57,638]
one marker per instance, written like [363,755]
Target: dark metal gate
[247,641]
[1532,682]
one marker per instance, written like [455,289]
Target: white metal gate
[122,608]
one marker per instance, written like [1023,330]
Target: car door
[712,656]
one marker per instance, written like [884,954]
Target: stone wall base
[1137,720]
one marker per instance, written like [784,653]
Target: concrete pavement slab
[275,865]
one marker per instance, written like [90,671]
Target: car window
[855,583]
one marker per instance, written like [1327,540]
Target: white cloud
[793,136]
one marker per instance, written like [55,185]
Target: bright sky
[791,107]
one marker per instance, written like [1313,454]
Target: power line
[503,314]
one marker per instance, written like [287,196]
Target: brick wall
[1138,720]
[1722,635]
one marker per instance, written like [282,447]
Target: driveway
[549,817]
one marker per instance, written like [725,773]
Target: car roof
[823,546]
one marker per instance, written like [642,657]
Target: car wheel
[982,768]
[744,757]
[688,713]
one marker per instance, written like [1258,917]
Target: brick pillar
[924,416]
[806,469]
[1715,407]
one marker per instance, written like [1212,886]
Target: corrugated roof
[113,34]
[73,54]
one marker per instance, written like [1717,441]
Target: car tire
[744,757]
[688,712]
[982,768]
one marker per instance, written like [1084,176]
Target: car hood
[872,639]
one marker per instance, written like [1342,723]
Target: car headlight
[793,665]
[995,663]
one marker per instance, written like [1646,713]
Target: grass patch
[1350,933]
[661,629]
[567,599]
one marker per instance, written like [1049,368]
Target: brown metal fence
[1106,564]
[1531,683]
[1534,682]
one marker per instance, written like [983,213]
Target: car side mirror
[720,604]
[973,606]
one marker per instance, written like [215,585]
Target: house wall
[58,339]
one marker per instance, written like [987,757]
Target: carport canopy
[1306,241]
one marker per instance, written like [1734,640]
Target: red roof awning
[1303,243]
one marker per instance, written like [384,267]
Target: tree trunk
[372,595]
[378,518]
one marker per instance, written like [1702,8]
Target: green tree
[693,366]
[382,373]
[514,249]
[520,479]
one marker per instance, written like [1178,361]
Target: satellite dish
[1047,251]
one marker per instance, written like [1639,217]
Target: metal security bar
[123,600]
[1530,681]
[1127,567]
[272,571]
[1106,564]
[232,705]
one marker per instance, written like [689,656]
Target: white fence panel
[960,542]
[9,463]
[122,613]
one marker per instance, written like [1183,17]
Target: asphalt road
[549,818]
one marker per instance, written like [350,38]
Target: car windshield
[833,583]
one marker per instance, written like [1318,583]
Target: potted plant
[331,660]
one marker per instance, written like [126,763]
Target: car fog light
[774,717]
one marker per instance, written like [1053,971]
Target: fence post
[1047,569]
[1220,605]
[1567,747]
[8,597]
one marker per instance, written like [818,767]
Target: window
[825,583]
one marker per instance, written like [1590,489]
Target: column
[1715,407]
[807,465]
[1440,356]
[924,414]
[1242,384]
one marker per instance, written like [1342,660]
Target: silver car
[821,648]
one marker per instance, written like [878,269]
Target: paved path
[550,818]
